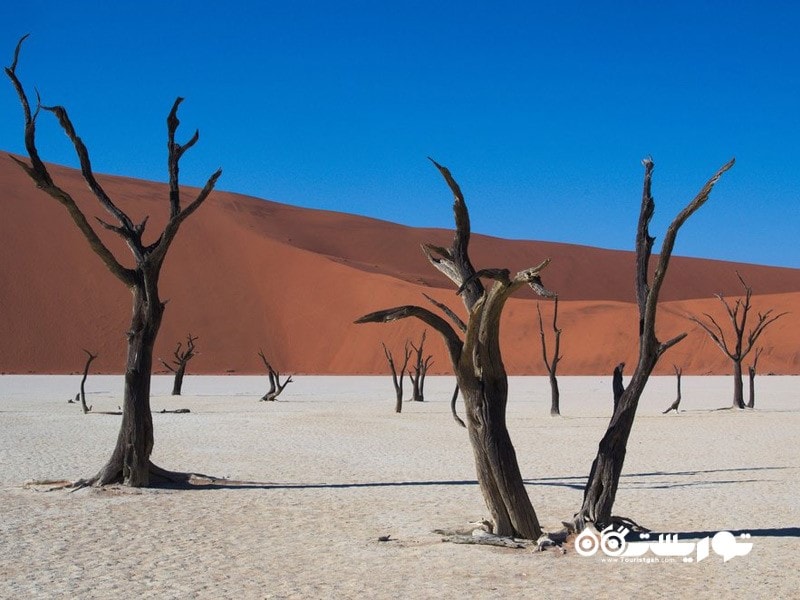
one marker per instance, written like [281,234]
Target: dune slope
[246,273]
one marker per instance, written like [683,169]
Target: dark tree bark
[601,487]
[674,406]
[617,385]
[89,358]
[130,460]
[752,373]
[462,327]
[740,346]
[397,375]
[181,358]
[551,363]
[275,384]
[478,366]
[453,410]
[420,370]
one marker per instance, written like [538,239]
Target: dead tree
[181,358]
[130,460]
[674,406]
[751,370]
[551,363]
[420,370]
[89,358]
[479,370]
[601,487]
[397,374]
[275,385]
[617,386]
[740,346]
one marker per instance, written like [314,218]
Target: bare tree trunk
[555,396]
[551,364]
[496,463]
[616,384]
[420,370]
[89,358]
[397,381]
[738,388]
[752,373]
[477,364]
[601,487]
[130,460]
[674,406]
[177,383]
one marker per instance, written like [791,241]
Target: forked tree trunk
[478,366]
[496,463]
[601,487]
[397,375]
[420,370]
[551,363]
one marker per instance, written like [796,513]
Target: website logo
[614,544]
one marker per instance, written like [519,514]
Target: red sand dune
[246,274]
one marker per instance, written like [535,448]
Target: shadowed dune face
[245,274]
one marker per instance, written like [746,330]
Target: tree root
[480,534]
[110,475]
[48,485]
[578,523]
[488,539]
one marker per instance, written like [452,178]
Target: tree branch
[452,341]
[455,262]
[447,311]
[38,172]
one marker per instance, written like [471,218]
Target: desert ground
[331,469]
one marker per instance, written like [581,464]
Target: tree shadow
[168,480]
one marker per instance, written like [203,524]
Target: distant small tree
[551,363]
[752,373]
[674,406]
[275,384]
[89,358]
[181,358]
[397,374]
[740,345]
[419,370]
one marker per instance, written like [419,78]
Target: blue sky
[543,111]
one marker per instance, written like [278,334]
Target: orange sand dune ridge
[246,273]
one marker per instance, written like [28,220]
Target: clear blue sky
[542,110]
